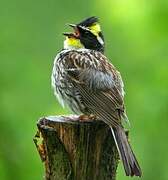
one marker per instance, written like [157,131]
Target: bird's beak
[72,25]
[76,33]
[68,34]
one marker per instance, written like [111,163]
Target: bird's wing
[99,84]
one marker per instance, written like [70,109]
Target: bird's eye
[77,34]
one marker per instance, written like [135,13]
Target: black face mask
[90,41]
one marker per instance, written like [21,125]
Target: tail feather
[127,156]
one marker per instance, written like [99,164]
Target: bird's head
[87,34]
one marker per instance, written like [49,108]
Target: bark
[76,150]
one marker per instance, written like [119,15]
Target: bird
[85,80]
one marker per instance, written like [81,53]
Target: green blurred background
[136,34]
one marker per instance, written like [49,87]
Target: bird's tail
[127,156]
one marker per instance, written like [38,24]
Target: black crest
[89,21]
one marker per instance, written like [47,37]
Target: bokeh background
[136,34]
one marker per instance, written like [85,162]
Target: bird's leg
[84,117]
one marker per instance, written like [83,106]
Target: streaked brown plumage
[88,83]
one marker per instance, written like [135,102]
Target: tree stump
[76,150]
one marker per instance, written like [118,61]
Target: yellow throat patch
[73,43]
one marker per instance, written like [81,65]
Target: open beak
[74,26]
[69,34]
[76,31]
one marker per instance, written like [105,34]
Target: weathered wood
[75,150]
